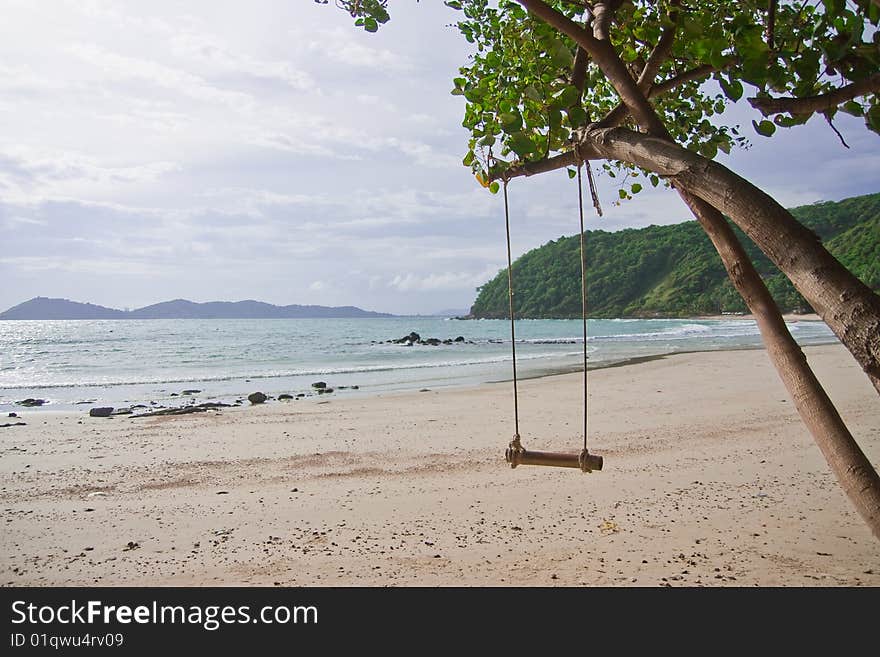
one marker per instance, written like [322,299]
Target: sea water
[121,362]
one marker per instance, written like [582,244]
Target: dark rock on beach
[13,424]
[101,411]
[284,397]
[190,392]
[319,385]
[13,415]
[185,410]
[460,338]
[31,402]
[257,398]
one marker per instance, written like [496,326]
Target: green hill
[672,270]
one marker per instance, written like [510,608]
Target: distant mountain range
[45,308]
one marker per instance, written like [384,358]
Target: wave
[269,375]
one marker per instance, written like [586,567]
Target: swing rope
[510,306]
[584,279]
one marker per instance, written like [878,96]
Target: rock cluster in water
[415,338]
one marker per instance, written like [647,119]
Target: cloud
[211,50]
[348,47]
[300,146]
[16,221]
[27,176]
[442,281]
[121,67]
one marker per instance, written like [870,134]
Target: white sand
[710,478]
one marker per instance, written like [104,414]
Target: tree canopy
[529,86]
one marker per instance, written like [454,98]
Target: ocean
[124,362]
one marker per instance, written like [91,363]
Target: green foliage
[672,270]
[521,102]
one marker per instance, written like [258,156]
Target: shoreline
[346,392]
[709,480]
[787,317]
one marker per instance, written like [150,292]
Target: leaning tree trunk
[849,307]
[853,470]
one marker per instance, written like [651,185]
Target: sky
[269,150]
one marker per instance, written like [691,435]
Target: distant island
[45,308]
[673,270]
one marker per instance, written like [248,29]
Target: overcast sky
[269,150]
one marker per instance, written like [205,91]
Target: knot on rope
[514,452]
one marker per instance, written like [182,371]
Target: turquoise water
[115,362]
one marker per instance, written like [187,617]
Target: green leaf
[576,116]
[733,89]
[494,187]
[852,107]
[521,144]
[468,159]
[622,194]
[571,173]
[765,128]
[569,96]
[654,180]
[511,122]
[872,118]
[371,24]
[635,188]
[560,54]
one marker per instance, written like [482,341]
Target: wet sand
[710,479]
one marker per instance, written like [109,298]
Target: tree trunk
[849,307]
[853,470]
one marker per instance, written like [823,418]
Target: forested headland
[669,271]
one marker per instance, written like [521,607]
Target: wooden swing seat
[516,455]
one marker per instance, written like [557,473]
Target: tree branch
[579,69]
[660,53]
[811,104]
[567,159]
[603,12]
[618,115]
[771,24]
[606,59]
[701,71]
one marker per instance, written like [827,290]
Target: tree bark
[812,104]
[853,470]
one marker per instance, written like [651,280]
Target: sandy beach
[710,479]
